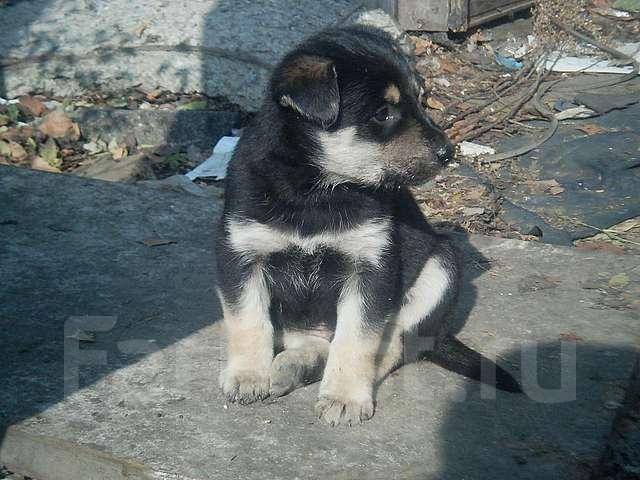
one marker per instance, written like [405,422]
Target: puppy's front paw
[244,386]
[340,411]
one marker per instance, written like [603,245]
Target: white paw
[244,386]
[334,410]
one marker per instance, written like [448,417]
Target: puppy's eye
[383,115]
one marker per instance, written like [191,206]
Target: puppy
[327,268]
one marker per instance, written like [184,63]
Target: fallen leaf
[32,105]
[449,67]
[591,128]
[117,151]
[17,151]
[555,190]
[37,163]
[155,242]
[58,125]
[620,280]
[421,45]
[154,94]
[4,148]
[194,105]
[570,337]
[49,153]
[435,104]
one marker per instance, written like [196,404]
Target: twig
[514,109]
[553,126]
[585,38]
[500,90]
[612,234]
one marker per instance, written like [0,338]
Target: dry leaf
[49,153]
[17,151]
[154,94]
[58,125]
[117,151]
[448,67]
[38,163]
[555,190]
[591,128]
[155,242]
[435,104]
[33,106]
[421,45]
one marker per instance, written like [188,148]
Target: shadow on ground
[550,433]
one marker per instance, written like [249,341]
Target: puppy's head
[355,95]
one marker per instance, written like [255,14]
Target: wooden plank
[389,6]
[458,15]
[487,16]
[478,7]
[429,15]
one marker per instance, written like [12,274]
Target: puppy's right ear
[308,84]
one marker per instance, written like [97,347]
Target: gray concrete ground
[219,47]
[111,349]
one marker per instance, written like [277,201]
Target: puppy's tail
[451,354]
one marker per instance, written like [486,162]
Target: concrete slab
[220,47]
[111,350]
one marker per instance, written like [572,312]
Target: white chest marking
[345,156]
[365,242]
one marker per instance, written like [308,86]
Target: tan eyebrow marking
[392,94]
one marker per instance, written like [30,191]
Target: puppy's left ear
[309,85]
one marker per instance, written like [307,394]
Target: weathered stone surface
[220,47]
[127,169]
[194,128]
[85,302]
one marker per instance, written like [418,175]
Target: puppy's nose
[445,153]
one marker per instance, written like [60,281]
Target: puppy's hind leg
[424,303]
[300,363]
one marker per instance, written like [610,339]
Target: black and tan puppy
[327,267]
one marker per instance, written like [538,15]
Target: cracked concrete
[111,351]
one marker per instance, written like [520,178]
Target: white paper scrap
[470,149]
[216,164]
